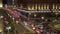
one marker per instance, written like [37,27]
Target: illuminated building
[39,4]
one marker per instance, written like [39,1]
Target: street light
[8,28]
[1,16]
[1,30]
[17,22]
[42,17]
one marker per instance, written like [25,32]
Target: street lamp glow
[42,17]
[1,17]
[34,15]
[1,5]
[1,30]
[17,22]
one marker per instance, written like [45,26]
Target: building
[35,4]
[39,4]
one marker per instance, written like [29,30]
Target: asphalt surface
[18,28]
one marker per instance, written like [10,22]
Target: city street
[29,16]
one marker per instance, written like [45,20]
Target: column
[44,6]
[36,7]
[53,6]
[47,6]
[32,7]
[39,7]
[28,6]
[56,6]
[59,6]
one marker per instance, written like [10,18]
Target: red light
[12,12]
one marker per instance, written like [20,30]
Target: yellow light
[36,6]
[33,7]
[53,6]
[1,5]
[1,16]
[1,28]
[17,22]
[47,6]
[34,15]
[29,8]
[56,6]
[41,7]
[59,7]
[44,6]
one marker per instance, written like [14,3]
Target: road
[20,29]
[1,20]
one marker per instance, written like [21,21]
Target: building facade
[35,4]
[39,4]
